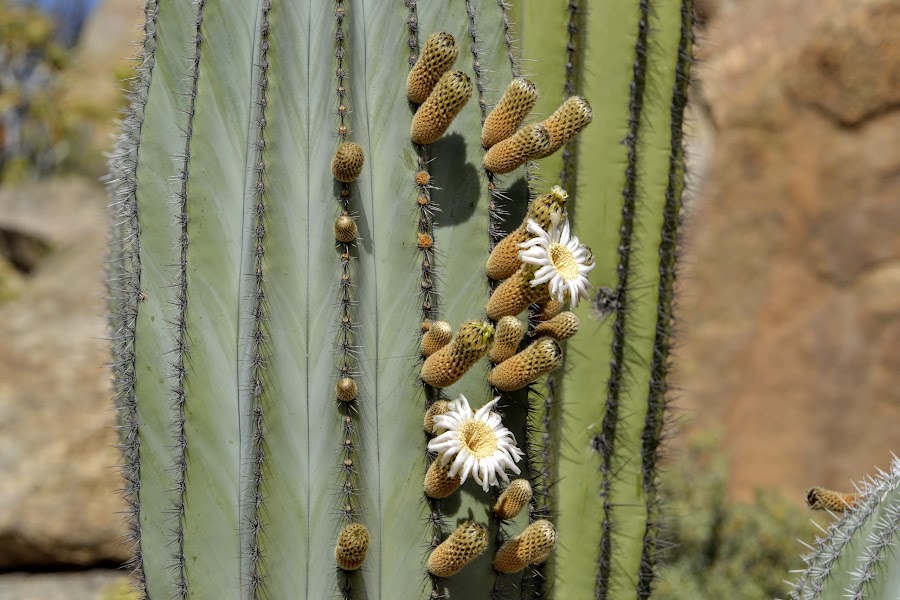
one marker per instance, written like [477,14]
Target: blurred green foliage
[120,590]
[30,63]
[45,128]
[740,551]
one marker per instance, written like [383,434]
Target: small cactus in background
[307,210]
[857,558]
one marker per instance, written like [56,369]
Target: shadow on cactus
[327,241]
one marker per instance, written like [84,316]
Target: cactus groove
[286,260]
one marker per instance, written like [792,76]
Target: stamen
[563,261]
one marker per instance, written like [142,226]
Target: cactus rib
[257,371]
[609,427]
[659,367]
[352,543]
[178,374]
[124,286]
[571,83]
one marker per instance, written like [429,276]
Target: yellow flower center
[563,261]
[478,439]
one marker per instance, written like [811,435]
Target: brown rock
[58,503]
[791,294]
[851,68]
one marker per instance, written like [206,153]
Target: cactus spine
[857,556]
[267,383]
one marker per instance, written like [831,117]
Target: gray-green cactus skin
[235,311]
[857,557]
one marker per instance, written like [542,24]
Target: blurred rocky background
[789,299]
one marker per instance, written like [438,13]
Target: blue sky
[53,4]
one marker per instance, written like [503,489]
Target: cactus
[295,244]
[857,558]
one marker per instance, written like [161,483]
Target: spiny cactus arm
[633,50]
[857,558]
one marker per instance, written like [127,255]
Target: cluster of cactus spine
[857,556]
[265,338]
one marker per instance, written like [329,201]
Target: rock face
[791,292]
[57,454]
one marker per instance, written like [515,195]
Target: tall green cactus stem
[636,84]
[236,311]
[857,557]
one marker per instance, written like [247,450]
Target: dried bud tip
[438,55]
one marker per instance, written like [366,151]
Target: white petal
[447,421]
[564,233]
[535,252]
[540,278]
[486,409]
[447,448]
[535,229]
[493,420]
[532,242]
[485,473]
[458,462]
[506,462]
[470,464]
[476,474]
[537,261]
[447,436]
